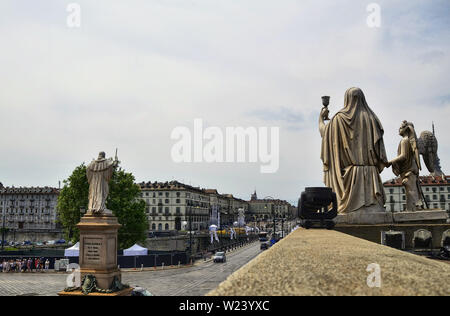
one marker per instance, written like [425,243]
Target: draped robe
[354,155]
[99,173]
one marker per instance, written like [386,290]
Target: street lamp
[190,232]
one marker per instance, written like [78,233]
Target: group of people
[25,265]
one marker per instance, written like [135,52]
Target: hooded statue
[353,155]
[99,173]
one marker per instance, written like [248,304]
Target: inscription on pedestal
[92,250]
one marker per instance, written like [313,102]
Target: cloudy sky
[135,70]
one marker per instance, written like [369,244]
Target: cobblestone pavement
[193,281]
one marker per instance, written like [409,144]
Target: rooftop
[424,181]
[29,190]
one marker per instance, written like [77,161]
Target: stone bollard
[162,267]
[142,266]
[179,263]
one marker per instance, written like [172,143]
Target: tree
[72,198]
[123,200]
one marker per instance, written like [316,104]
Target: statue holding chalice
[353,154]
[326,103]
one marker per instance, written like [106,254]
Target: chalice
[325,103]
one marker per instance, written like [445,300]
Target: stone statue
[407,166]
[353,155]
[99,173]
[428,147]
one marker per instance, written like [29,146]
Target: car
[51,242]
[264,246]
[61,241]
[220,257]
[27,243]
[139,291]
[39,243]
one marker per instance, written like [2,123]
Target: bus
[263,236]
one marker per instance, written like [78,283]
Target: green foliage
[123,201]
[72,198]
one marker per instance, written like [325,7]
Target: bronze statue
[99,173]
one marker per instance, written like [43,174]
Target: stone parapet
[321,262]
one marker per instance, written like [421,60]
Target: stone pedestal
[98,248]
[364,217]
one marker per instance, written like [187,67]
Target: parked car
[51,242]
[39,243]
[220,257]
[139,291]
[60,242]
[264,246]
[27,243]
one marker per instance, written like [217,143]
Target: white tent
[73,251]
[135,250]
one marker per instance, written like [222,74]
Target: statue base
[124,292]
[98,250]
[369,216]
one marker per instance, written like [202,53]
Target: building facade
[436,191]
[175,206]
[169,204]
[26,210]
[265,209]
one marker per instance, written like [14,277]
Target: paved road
[193,281]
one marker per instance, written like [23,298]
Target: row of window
[434,205]
[155,194]
[160,226]
[166,201]
[427,189]
[435,197]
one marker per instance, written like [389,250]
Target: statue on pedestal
[353,155]
[428,147]
[99,173]
[407,166]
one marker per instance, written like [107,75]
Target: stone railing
[322,262]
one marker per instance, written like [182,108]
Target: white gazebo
[135,250]
[73,251]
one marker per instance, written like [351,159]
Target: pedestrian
[35,264]
[47,265]
[41,264]
[29,265]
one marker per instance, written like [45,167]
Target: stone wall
[373,232]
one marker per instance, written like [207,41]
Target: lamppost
[274,233]
[190,231]
[3,229]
